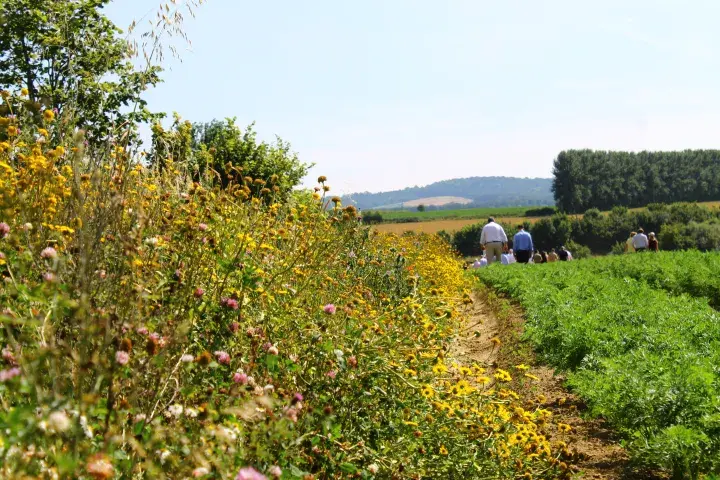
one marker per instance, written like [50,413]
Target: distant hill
[471,192]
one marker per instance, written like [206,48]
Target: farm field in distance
[459,213]
[434,226]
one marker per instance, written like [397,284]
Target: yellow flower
[564,427]
[502,376]
[427,391]
[439,368]
[522,367]
[24,92]
[12,130]
[465,371]
[49,115]
[443,450]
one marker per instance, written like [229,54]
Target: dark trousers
[523,256]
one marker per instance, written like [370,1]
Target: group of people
[494,243]
[639,242]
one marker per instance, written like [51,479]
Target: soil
[599,451]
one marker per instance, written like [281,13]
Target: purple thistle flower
[6,375]
[240,378]
[223,357]
[249,473]
[329,309]
[4,229]
[230,303]
[122,357]
[48,253]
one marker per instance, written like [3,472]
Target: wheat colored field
[447,225]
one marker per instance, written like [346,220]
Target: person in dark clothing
[653,245]
[543,254]
[563,254]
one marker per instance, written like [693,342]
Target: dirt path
[599,455]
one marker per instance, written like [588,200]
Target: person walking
[522,245]
[653,245]
[640,241]
[629,243]
[493,240]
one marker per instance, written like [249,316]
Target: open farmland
[641,356]
[447,225]
[455,213]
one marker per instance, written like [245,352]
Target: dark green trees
[585,179]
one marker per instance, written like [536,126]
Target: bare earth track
[599,452]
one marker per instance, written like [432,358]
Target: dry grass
[447,225]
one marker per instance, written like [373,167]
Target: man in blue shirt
[523,245]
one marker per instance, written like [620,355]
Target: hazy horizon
[385,95]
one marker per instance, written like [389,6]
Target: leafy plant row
[643,359]
[689,272]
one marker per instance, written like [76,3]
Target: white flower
[140,417]
[259,391]
[273,350]
[58,422]
[251,381]
[373,468]
[275,471]
[86,429]
[269,388]
[151,241]
[163,454]
[191,412]
[175,410]
[187,358]
[200,472]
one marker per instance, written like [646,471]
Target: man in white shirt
[493,239]
[640,241]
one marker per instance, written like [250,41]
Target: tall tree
[69,55]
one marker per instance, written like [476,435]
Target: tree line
[679,226]
[585,179]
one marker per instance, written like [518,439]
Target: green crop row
[645,360]
[687,272]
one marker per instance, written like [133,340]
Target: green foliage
[586,179]
[421,208]
[70,57]
[222,152]
[703,236]
[642,358]
[372,218]
[578,251]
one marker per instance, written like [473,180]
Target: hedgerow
[161,325]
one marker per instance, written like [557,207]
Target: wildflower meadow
[157,323]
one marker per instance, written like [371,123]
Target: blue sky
[385,94]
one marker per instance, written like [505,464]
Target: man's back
[493,232]
[522,241]
[640,241]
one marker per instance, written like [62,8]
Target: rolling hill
[470,192]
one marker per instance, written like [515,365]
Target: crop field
[640,343]
[447,225]
[456,213]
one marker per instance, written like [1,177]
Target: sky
[387,94]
